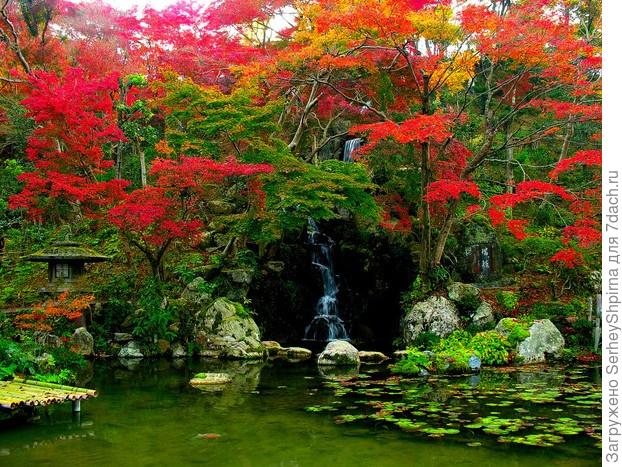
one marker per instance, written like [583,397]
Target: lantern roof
[67,251]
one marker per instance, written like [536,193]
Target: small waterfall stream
[326,324]
[350,146]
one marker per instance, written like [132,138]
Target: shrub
[453,352]
[453,360]
[426,340]
[508,299]
[490,346]
[412,364]
[152,322]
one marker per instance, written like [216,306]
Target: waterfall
[326,324]
[350,146]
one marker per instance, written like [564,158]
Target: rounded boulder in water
[339,353]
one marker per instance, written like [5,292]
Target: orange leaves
[45,317]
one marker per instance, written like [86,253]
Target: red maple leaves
[75,123]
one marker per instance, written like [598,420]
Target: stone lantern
[66,262]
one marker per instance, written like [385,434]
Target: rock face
[82,341]
[122,337]
[339,353]
[483,315]
[272,347]
[220,331]
[372,357]
[460,292]
[131,350]
[436,315]
[178,351]
[544,339]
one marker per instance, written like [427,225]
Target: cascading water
[350,146]
[326,324]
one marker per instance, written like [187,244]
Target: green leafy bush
[490,346]
[154,317]
[426,340]
[508,299]
[413,363]
[416,293]
[453,352]
[552,310]
[517,331]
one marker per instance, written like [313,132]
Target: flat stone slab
[367,356]
[201,379]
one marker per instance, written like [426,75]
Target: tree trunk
[425,257]
[303,118]
[143,166]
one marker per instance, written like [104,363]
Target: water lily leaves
[440,431]
[512,406]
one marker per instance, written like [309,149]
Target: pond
[280,414]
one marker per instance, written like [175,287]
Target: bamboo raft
[21,393]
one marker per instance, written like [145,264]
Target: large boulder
[436,315]
[484,314]
[462,293]
[339,353]
[82,342]
[224,330]
[544,339]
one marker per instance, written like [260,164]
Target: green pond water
[280,414]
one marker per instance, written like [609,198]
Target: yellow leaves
[435,25]
[454,72]
[163,148]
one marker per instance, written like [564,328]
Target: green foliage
[187,269]
[554,310]
[490,346]
[508,299]
[533,253]
[241,309]
[453,360]
[469,304]
[455,340]
[417,292]
[517,331]
[16,358]
[439,276]
[426,340]
[152,320]
[412,363]
[582,333]
[56,365]
[452,353]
